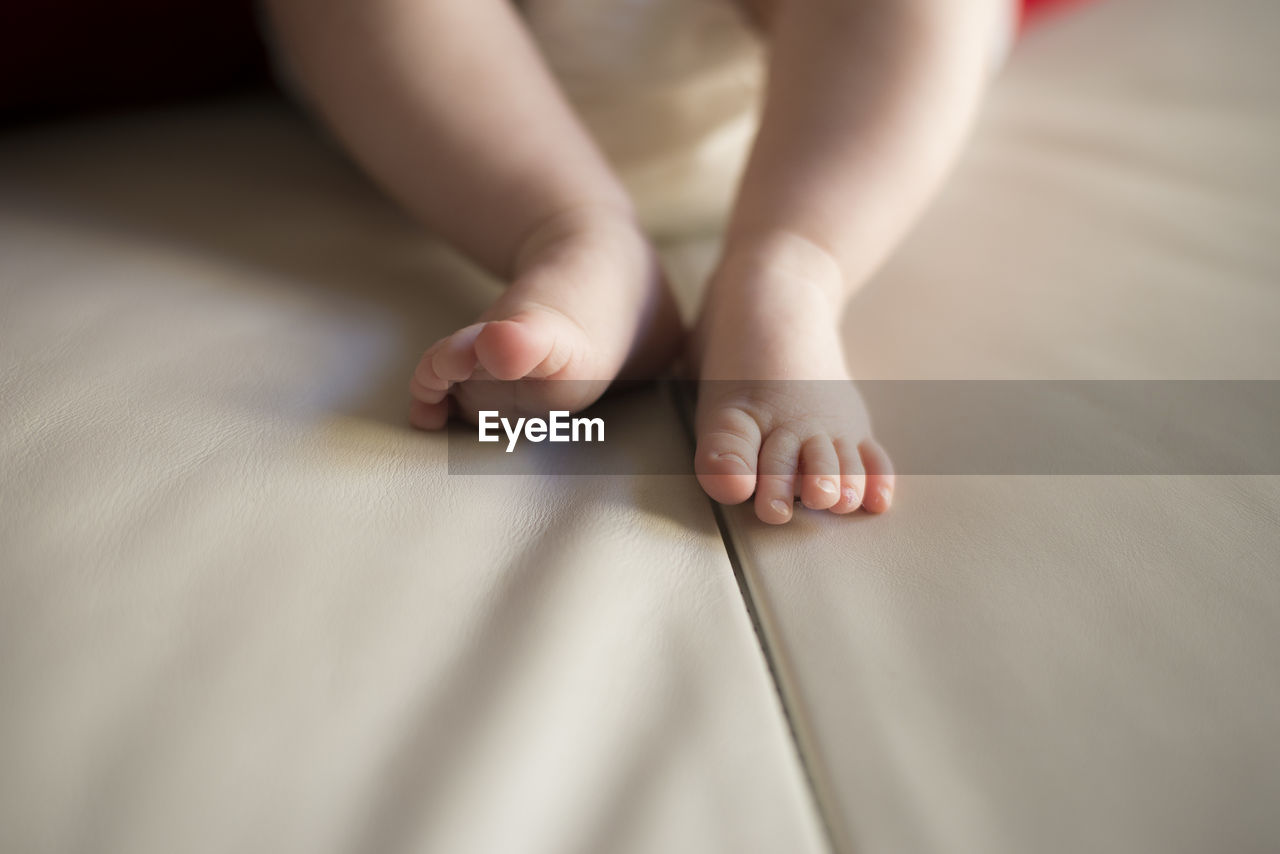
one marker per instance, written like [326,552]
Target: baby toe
[820,474]
[852,477]
[428,416]
[725,461]
[776,484]
[880,479]
[425,376]
[424,393]
[454,359]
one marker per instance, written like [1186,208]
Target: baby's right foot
[588,304]
[778,415]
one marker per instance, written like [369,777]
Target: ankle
[781,266]
[577,226]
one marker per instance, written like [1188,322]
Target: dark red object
[1033,10]
[61,55]
[58,56]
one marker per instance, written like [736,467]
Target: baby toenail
[782,507]
[885,494]
[826,486]
[731,457]
[851,496]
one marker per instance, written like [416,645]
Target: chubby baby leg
[448,106]
[867,104]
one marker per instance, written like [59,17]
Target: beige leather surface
[244,608]
[1064,664]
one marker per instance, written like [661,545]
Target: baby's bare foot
[778,414]
[588,304]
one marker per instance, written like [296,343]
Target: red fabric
[63,55]
[1034,9]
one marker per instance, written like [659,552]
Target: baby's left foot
[778,414]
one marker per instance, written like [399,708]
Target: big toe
[726,459]
[529,344]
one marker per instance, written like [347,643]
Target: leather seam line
[684,409]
